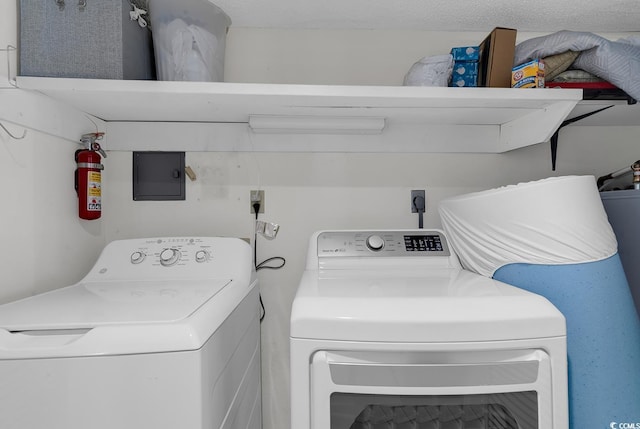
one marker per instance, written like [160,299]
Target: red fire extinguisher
[88,177]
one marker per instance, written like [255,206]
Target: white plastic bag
[430,71]
[189,38]
[187,52]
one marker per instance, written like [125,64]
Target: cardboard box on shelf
[497,51]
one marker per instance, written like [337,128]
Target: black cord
[263,264]
[256,210]
[263,312]
[418,203]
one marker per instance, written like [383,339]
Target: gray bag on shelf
[96,39]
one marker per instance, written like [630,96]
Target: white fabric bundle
[559,220]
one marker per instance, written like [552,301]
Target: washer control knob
[169,257]
[375,242]
[137,257]
[202,255]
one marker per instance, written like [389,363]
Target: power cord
[419,205]
[263,264]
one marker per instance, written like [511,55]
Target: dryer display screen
[422,243]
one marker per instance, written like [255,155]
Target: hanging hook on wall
[8,50]
[24,133]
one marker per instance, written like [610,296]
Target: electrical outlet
[256,196]
[415,198]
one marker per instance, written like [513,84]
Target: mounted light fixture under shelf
[277,124]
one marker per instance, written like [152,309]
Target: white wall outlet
[256,196]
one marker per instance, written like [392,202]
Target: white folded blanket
[616,62]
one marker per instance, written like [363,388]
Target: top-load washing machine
[162,333]
[388,331]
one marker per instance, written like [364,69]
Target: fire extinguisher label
[94,191]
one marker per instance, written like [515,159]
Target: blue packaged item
[464,74]
[465,67]
[466,53]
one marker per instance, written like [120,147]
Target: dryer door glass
[515,410]
[466,389]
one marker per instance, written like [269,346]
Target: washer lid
[438,305]
[96,318]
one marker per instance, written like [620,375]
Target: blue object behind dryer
[603,336]
[553,237]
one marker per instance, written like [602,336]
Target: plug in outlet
[256,197]
[418,200]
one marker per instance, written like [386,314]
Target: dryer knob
[375,242]
[202,256]
[169,257]
[137,257]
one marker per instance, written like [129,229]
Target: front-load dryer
[162,333]
[388,331]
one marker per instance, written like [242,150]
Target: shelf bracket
[554,137]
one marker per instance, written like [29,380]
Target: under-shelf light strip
[276,124]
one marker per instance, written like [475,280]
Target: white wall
[43,243]
[46,246]
[8,41]
[339,57]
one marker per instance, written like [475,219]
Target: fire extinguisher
[88,178]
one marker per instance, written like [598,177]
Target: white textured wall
[339,57]
[352,57]
[8,37]
[43,243]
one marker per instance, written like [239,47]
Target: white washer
[387,330]
[162,333]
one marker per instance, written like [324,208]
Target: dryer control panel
[374,243]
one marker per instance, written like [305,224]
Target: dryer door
[506,389]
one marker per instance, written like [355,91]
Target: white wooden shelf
[436,119]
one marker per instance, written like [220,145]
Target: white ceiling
[605,16]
